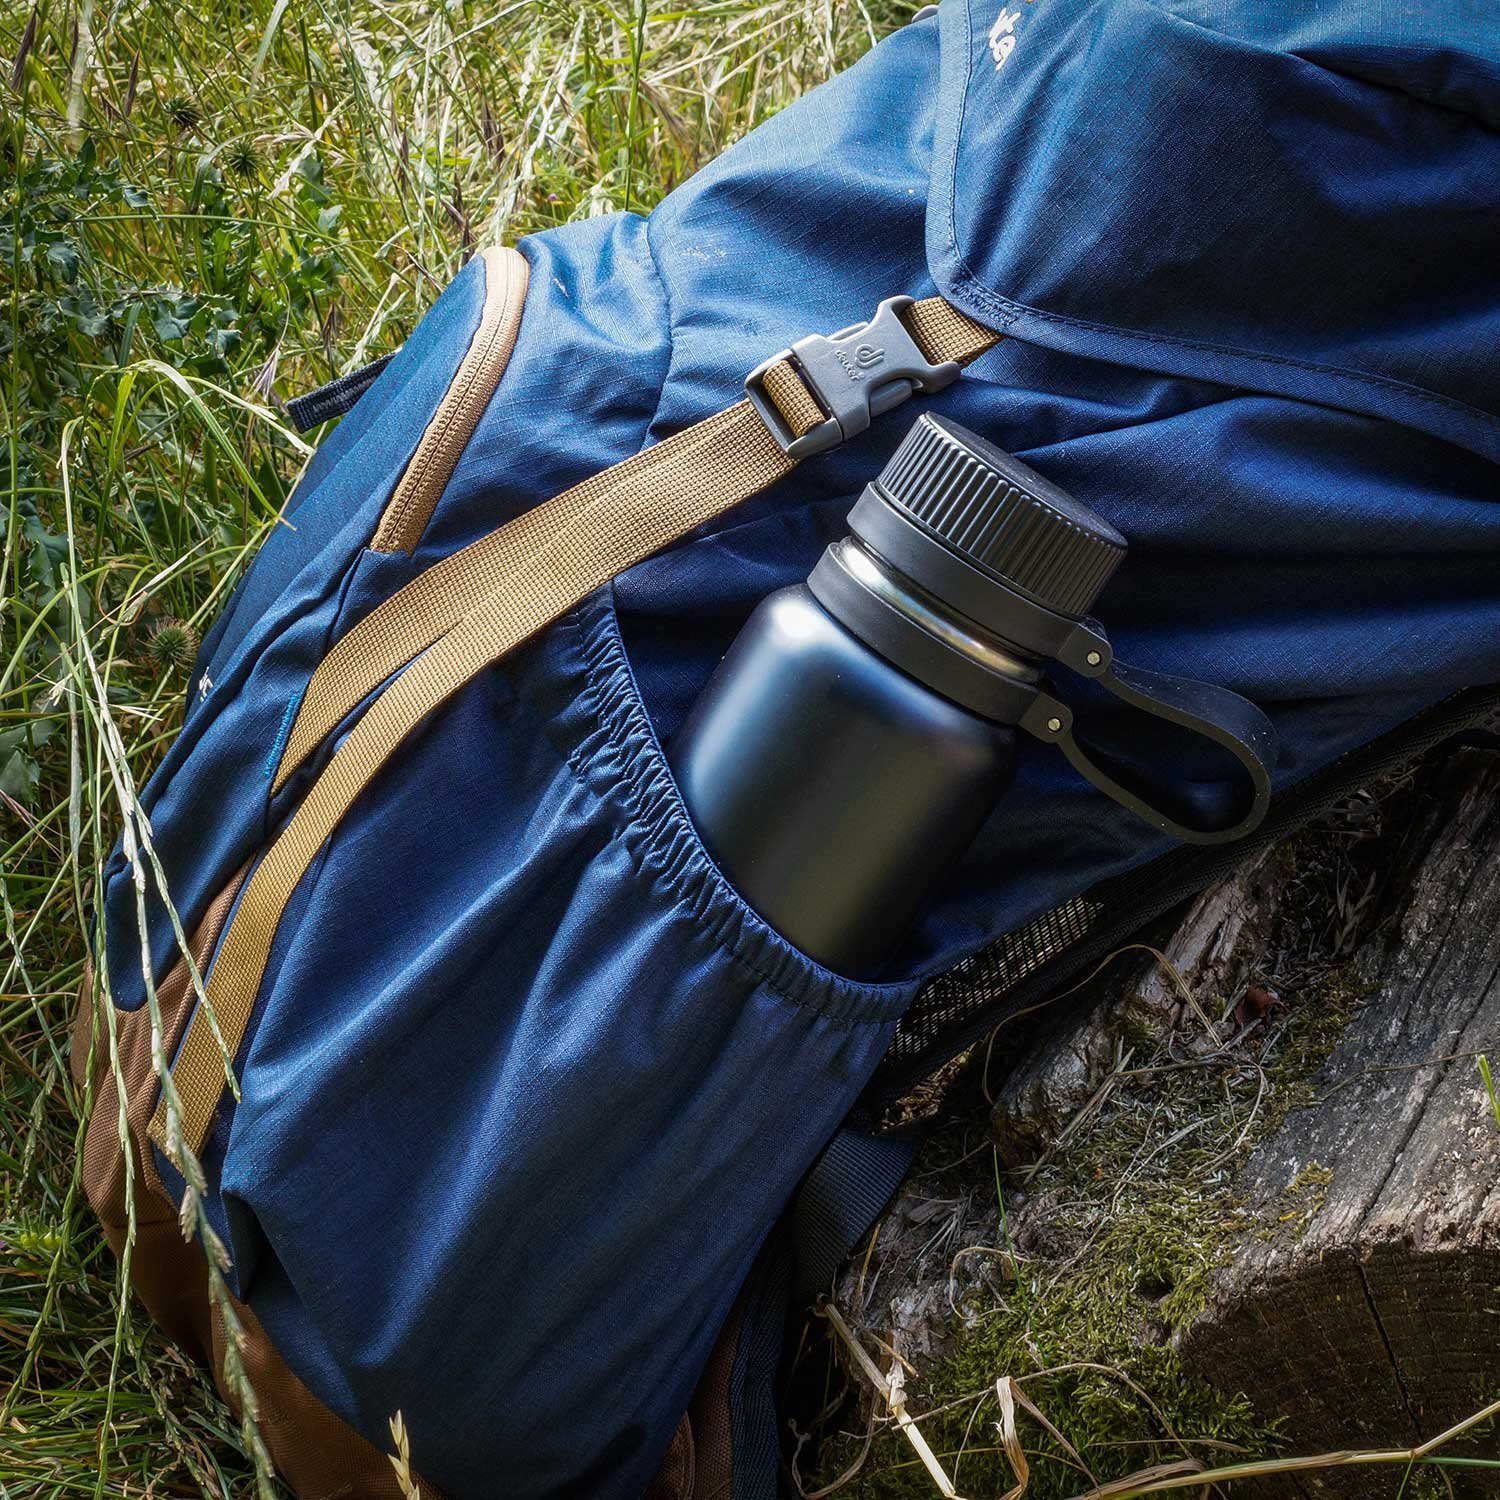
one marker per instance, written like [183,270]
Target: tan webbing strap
[610,522]
[793,399]
[433,602]
[942,332]
[513,582]
[414,617]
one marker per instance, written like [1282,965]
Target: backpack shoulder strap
[680,482]
[468,611]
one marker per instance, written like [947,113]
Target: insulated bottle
[862,726]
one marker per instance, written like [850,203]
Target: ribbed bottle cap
[1000,515]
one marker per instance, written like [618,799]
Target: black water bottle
[861,728]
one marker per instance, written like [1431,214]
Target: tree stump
[1356,1301]
[1217,949]
[1364,1307]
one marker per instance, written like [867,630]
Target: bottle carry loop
[1215,714]
[470,609]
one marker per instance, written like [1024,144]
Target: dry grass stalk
[401,1459]
[892,1390]
[1005,1393]
[1167,1477]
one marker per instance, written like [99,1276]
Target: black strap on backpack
[335,399]
[843,1194]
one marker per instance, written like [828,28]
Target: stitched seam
[454,410]
[1012,310]
[671,322]
[1009,310]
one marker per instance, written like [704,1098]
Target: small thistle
[172,645]
[243,159]
[183,113]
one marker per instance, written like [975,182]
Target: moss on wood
[1114,1241]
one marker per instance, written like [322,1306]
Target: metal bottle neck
[931,615]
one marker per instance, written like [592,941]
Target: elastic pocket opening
[623,760]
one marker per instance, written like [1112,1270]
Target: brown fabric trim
[452,425]
[699,1464]
[713,1442]
[674,1480]
[103,1162]
[82,1037]
[320,1456]
[317,1453]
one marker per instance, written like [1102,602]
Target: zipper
[448,432]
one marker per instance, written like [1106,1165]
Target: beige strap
[943,333]
[452,425]
[414,617]
[793,399]
[460,616]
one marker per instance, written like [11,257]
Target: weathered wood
[1213,954]
[1364,1301]
[1359,1301]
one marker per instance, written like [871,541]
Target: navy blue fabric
[1245,190]
[572,1087]
[527,1083]
[209,817]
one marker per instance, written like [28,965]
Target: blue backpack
[530,1129]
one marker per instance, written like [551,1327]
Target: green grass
[212,207]
[1488,1080]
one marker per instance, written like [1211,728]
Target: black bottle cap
[1001,516]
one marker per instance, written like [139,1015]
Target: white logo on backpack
[1003,36]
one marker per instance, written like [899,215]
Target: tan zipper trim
[447,434]
[495,593]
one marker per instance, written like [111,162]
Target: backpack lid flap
[1276,194]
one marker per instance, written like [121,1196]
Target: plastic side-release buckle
[854,375]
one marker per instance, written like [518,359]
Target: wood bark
[1215,951]
[1364,1307]
[1360,1303]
